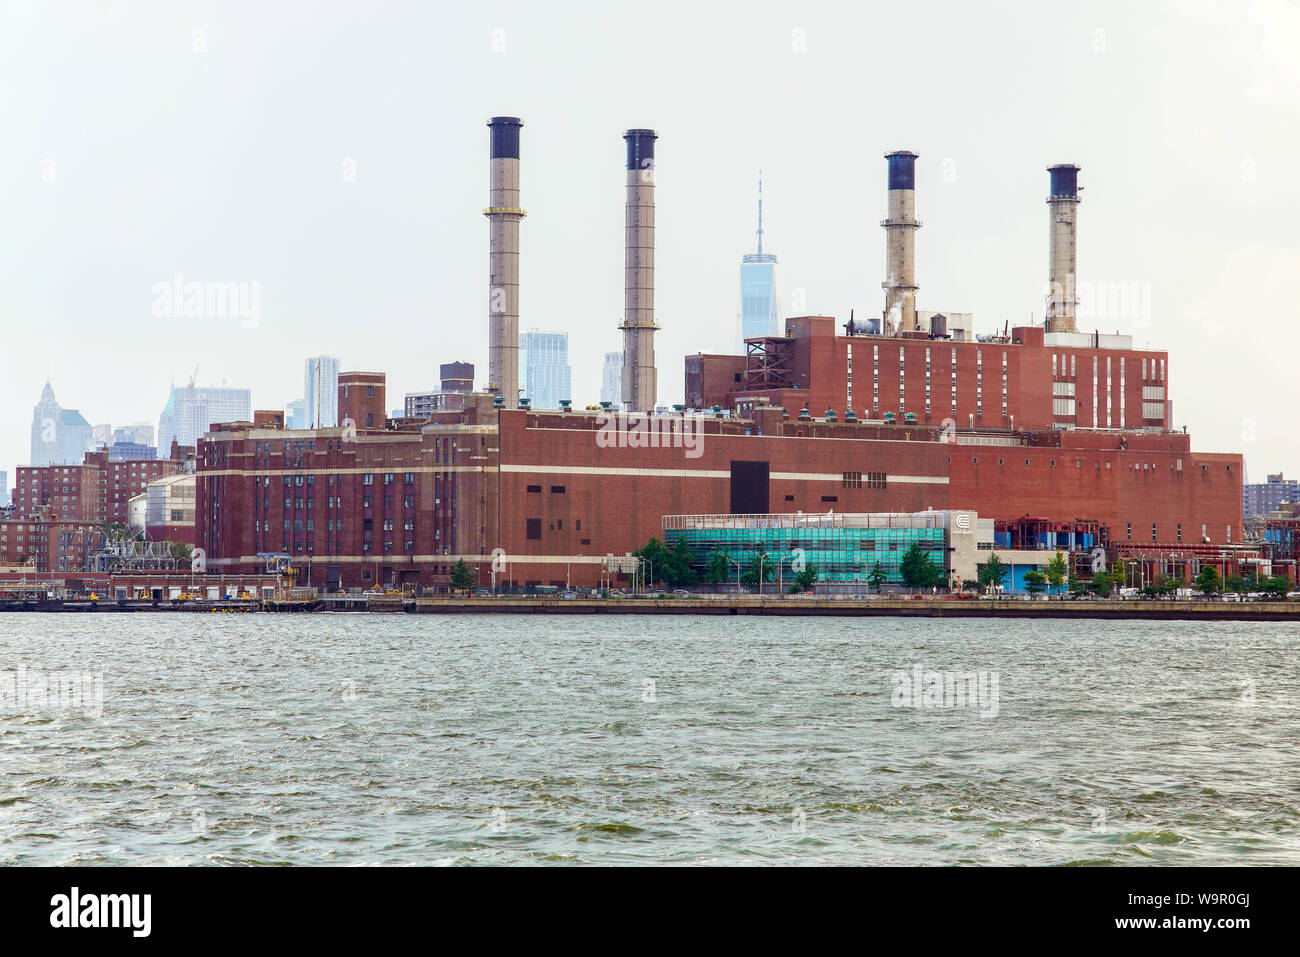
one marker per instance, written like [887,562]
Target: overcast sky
[336,155]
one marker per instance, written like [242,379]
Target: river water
[368,739]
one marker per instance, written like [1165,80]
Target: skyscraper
[59,436]
[544,368]
[759,312]
[611,379]
[295,414]
[191,410]
[320,390]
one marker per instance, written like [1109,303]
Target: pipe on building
[1063,247]
[504,216]
[900,245]
[640,386]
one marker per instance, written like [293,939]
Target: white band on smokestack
[504,215]
[1063,248]
[640,386]
[900,245]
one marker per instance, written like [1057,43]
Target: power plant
[640,378]
[504,215]
[1032,426]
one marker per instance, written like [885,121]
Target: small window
[534,528]
[557,489]
[830,498]
[789,498]
[535,488]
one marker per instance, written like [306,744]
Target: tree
[1207,581]
[679,571]
[763,563]
[877,578]
[1276,587]
[1035,581]
[1101,584]
[992,573]
[803,581]
[462,577]
[918,570]
[181,552]
[1236,583]
[1077,586]
[1057,570]
[717,570]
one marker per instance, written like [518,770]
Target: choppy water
[258,739]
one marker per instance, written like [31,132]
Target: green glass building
[844,548]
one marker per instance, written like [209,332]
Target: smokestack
[900,245]
[503,215]
[1063,248]
[639,375]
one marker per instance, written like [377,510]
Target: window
[851,480]
[875,480]
[534,488]
[557,489]
[533,528]
[830,498]
[368,478]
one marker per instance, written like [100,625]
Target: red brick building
[96,491]
[55,546]
[556,491]
[1026,379]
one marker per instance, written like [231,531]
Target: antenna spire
[760,212]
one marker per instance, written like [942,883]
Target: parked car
[681,593]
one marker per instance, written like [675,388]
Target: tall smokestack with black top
[504,215]
[1063,248]
[640,388]
[900,245]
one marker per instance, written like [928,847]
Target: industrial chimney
[1063,248]
[504,215]
[900,245]
[639,376]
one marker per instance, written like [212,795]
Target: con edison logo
[102,910]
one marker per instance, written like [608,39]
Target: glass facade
[758,298]
[544,370]
[845,548]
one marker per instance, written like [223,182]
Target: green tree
[877,578]
[1077,586]
[1276,587]
[1057,570]
[992,572]
[678,565]
[181,552]
[655,558]
[1235,583]
[717,570]
[1035,581]
[917,569]
[1207,581]
[762,562]
[1101,584]
[804,580]
[462,577]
